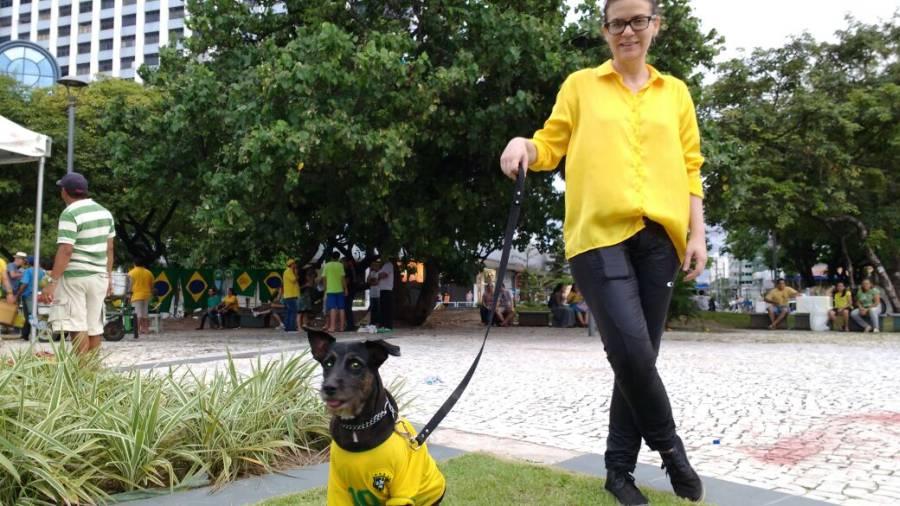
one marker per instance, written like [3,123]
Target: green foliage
[74,432]
[682,305]
[802,138]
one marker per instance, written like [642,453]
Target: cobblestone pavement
[810,414]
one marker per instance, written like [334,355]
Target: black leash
[511,222]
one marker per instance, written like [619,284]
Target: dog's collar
[377,417]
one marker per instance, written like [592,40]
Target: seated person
[779,302]
[868,305]
[487,302]
[213,301]
[842,299]
[505,310]
[576,301]
[563,315]
[274,309]
[230,309]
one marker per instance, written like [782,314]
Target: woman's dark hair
[654,7]
[844,291]
[558,288]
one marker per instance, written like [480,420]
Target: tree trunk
[849,262]
[415,312]
[883,275]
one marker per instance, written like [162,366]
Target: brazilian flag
[244,282]
[164,281]
[194,284]
[270,284]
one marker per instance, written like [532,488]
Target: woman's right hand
[519,154]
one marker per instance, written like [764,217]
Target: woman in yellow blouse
[634,215]
[843,303]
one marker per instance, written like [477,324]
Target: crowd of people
[307,292]
[864,307]
[19,280]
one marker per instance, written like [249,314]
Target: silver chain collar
[388,408]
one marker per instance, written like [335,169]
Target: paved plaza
[810,414]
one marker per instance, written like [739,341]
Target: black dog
[373,458]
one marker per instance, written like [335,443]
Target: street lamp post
[69,83]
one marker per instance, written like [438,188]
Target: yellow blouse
[628,156]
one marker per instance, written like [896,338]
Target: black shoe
[621,485]
[685,481]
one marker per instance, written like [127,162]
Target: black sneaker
[621,485]
[685,481]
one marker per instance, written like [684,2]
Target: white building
[92,37]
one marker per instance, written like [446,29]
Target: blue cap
[74,183]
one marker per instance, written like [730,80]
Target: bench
[534,318]
[761,321]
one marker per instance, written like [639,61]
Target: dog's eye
[356,364]
[328,363]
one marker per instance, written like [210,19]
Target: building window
[151,17]
[43,34]
[5,3]
[151,59]
[25,2]
[151,38]
[44,15]
[85,6]
[65,10]
[64,70]
[5,21]
[84,48]
[128,41]
[62,51]
[106,44]
[176,34]
[127,62]
[105,66]
[107,4]
[63,31]
[4,38]
[107,24]
[24,18]
[128,2]
[83,69]
[176,12]
[84,27]
[129,20]
[24,34]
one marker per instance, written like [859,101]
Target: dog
[374,458]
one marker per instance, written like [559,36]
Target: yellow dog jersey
[391,474]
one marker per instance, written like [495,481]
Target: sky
[768,23]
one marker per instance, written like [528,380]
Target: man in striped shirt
[80,280]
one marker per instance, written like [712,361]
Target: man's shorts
[79,304]
[781,309]
[334,301]
[141,308]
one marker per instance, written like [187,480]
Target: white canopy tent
[20,145]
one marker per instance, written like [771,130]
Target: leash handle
[511,221]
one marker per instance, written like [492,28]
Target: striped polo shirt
[86,225]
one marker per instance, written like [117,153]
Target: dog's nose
[329,390]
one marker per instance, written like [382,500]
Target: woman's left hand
[696,255]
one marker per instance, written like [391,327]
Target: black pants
[215,320]
[348,310]
[628,288]
[26,310]
[386,301]
[375,311]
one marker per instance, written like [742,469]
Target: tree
[803,142]
[364,126]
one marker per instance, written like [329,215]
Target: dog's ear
[379,351]
[319,342]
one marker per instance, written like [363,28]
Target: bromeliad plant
[72,432]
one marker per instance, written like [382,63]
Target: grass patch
[476,479]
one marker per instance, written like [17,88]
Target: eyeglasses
[637,24]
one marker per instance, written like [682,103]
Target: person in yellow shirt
[7,285]
[290,293]
[230,310]
[779,299]
[634,215]
[141,281]
[842,298]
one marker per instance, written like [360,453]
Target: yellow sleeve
[338,493]
[690,142]
[405,483]
[552,141]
